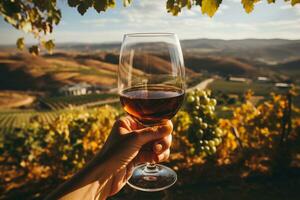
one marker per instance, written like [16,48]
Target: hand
[127,146]
[130,144]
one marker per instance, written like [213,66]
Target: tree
[39,17]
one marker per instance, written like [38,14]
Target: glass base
[152,177]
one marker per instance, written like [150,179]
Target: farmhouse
[75,89]
[237,79]
[263,79]
[282,85]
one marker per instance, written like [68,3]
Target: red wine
[152,104]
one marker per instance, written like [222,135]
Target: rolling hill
[98,64]
[25,72]
[291,69]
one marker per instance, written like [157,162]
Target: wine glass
[151,85]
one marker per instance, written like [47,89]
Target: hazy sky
[279,20]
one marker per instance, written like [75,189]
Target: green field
[230,87]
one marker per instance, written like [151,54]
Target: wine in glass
[151,84]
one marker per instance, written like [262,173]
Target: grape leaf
[82,8]
[99,6]
[209,7]
[249,5]
[294,2]
[126,2]
[34,50]
[73,3]
[20,43]
[49,45]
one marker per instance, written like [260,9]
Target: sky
[279,20]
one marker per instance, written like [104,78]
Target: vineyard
[204,145]
[19,119]
[56,103]
[11,119]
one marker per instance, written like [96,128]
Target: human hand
[127,146]
[130,144]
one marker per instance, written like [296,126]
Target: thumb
[149,134]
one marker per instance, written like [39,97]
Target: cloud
[290,8]
[101,22]
[151,16]
[280,20]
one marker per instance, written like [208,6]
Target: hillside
[22,71]
[26,72]
[291,69]
[220,65]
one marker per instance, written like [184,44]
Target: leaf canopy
[38,17]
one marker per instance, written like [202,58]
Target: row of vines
[260,138]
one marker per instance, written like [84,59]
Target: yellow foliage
[257,127]
[249,5]
[209,7]
[294,2]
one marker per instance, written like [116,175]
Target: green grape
[213,149]
[190,99]
[202,93]
[204,125]
[211,143]
[204,133]
[213,102]
[200,120]
[202,107]
[206,149]
[218,132]
[206,100]
[217,141]
[200,133]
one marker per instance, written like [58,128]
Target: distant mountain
[269,51]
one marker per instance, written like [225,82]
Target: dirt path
[202,85]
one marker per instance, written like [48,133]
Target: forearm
[92,182]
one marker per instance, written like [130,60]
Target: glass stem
[151,168]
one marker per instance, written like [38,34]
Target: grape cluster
[203,132]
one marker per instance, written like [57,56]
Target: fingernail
[160,157]
[157,148]
[162,128]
